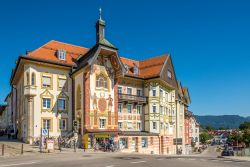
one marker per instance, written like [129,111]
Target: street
[100,159]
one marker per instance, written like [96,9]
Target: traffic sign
[45,132]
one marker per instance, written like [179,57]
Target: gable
[168,66]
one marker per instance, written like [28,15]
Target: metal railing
[129,97]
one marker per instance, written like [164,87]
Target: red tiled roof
[48,52]
[147,68]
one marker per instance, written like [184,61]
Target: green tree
[244,126]
[204,137]
[246,136]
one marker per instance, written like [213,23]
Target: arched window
[27,78]
[101,81]
[33,79]
[78,97]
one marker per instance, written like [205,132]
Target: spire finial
[100,13]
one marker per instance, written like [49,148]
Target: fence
[243,152]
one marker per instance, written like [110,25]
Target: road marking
[180,158]
[215,160]
[136,162]
[27,163]
[110,166]
[228,161]
[191,159]
[203,160]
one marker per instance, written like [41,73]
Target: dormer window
[126,67]
[136,71]
[61,54]
[169,74]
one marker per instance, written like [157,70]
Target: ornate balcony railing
[132,98]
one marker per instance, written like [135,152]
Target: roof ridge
[67,44]
[129,59]
[166,54]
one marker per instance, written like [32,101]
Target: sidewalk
[245,158]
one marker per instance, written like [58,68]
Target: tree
[246,136]
[204,137]
[244,126]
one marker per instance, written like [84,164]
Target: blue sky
[209,40]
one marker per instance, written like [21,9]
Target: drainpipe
[176,133]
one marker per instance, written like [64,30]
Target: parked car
[228,152]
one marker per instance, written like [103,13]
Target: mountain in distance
[222,121]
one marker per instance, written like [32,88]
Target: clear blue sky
[209,41]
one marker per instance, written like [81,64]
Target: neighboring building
[138,104]
[195,132]
[3,117]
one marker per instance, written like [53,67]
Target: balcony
[132,98]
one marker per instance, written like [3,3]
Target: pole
[22,149]
[40,143]
[2,149]
[74,146]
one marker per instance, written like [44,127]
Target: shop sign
[102,136]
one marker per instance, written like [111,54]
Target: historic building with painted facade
[138,104]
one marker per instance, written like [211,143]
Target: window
[139,109]
[161,109]
[46,82]
[161,125]
[101,81]
[102,123]
[129,91]
[33,79]
[136,71]
[78,97]
[144,142]
[46,103]
[166,96]
[119,108]
[61,104]
[120,125]
[119,90]
[154,125]
[169,74]
[61,54]
[154,92]
[139,92]
[47,124]
[126,68]
[123,143]
[139,125]
[27,78]
[129,124]
[62,124]
[161,93]
[154,109]
[129,108]
[61,83]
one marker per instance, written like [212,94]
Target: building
[3,117]
[137,104]
[195,132]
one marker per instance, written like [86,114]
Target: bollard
[74,146]
[22,149]
[2,149]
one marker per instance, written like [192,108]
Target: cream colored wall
[167,102]
[78,79]
[124,117]
[38,90]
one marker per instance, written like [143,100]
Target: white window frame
[64,107]
[154,92]
[119,88]
[120,104]
[120,125]
[61,54]
[140,90]
[46,103]
[46,85]
[102,125]
[130,123]
[129,88]
[154,107]
[139,106]
[169,73]
[154,125]
[139,127]
[128,109]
